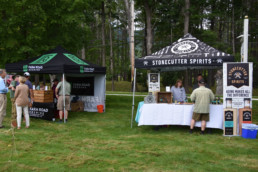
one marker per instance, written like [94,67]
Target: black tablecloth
[42,110]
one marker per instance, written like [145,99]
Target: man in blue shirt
[3,99]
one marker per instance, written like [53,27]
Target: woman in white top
[178,92]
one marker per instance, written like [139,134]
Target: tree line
[99,30]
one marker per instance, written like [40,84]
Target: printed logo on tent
[25,68]
[44,59]
[86,69]
[184,47]
[75,59]
[238,74]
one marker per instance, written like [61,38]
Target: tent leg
[133,96]
[64,95]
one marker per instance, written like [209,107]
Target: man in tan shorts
[202,97]
[60,91]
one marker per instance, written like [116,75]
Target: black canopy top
[187,52]
[56,61]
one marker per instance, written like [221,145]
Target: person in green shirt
[202,97]
[60,91]
[12,88]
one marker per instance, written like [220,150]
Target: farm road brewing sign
[237,83]
[82,85]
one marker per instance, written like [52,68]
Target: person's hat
[55,80]
[26,74]
[201,81]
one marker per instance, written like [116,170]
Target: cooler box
[249,131]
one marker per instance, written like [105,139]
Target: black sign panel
[229,124]
[82,86]
[42,110]
[154,77]
[238,74]
[247,116]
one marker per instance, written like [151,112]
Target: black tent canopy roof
[56,61]
[186,53]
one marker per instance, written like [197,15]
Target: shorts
[60,103]
[201,116]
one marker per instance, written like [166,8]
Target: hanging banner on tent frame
[154,82]
[83,86]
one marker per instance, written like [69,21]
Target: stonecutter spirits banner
[238,84]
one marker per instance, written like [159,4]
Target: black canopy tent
[56,61]
[186,53]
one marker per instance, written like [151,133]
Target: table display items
[230,122]
[164,97]
[149,99]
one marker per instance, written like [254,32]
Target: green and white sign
[44,59]
[75,59]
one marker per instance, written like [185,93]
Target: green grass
[105,142]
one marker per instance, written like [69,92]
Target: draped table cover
[175,114]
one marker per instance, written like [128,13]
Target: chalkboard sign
[247,116]
[82,86]
[42,110]
[229,124]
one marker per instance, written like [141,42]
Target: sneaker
[60,121]
[190,131]
[2,126]
[202,132]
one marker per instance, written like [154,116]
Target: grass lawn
[105,142]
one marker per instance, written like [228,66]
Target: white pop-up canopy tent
[186,53]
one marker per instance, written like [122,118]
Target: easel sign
[154,82]
[237,96]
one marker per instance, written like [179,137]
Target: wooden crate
[164,97]
[42,96]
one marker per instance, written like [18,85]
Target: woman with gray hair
[22,101]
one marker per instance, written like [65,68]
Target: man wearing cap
[202,97]
[29,84]
[3,99]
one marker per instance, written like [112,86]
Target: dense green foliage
[29,28]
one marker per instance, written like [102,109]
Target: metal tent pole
[133,96]
[64,95]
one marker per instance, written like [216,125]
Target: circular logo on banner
[184,47]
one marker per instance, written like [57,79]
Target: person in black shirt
[199,77]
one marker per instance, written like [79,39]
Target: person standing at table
[55,82]
[60,91]
[21,98]
[178,92]
[199,77]
[202,97]
[12,87]
[3,99]
[29,84]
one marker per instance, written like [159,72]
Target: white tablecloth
[171,114]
